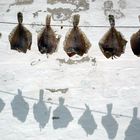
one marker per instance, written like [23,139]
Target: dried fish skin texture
[135,43]
[112,43]
[76,42]
[20,39]
[47,41]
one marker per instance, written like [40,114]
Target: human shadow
[133,130]
[61,115]
[41,112]
[20,107]
[109,123]
[2,105]
[87,121]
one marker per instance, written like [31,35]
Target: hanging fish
[20,38]
[135,43]
[47,41]
[76,41]
[112,43]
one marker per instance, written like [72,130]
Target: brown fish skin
[47,41]
[112,44]
[76,41]
[135,43]
[20,38]
[19,41]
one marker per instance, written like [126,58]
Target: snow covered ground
[78,98]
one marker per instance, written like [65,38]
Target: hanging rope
[64,25]
[69,106]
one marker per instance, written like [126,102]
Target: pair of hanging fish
[21,38]
[112,44]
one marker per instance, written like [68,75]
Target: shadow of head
[135,112]
[41,94]
[19,92]
[109,108]
[61,101]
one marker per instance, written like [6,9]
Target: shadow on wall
[41,112]
[109,123]
[20,107]
[87,121]
[133,130]
[61,115]
[2,105]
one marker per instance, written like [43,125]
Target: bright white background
[108,81]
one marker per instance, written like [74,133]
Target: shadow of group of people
[62,117]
